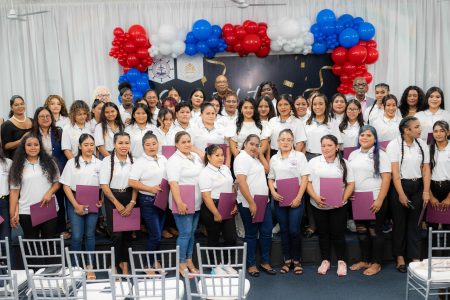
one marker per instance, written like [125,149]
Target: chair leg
[407,287]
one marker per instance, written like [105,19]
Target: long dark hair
[430,91]
[359,118]
[248,138]
[146,110]
[378,85]
[113,153]
[255,117]
[11,102]
[53,129]
[333,98]
[444,125]
[269,103]
[376,149]
[117,120]
[48,165]
[326,112]
[272,86]
[287,98]
[210,150]
[192,94]
[404,107]
[404,124]
[82,138]
[162,114]
[338,154]
[217,98]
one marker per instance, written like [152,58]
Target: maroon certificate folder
[348,150]
[162,198]
[430,138]
[88,195]
[261,204]
[129,223]
[361,206]
[227,202]
[331,189]
[187,193]
[1,220]
[437,215]
[42,214]
[384,144]
[288,188]
[168,151]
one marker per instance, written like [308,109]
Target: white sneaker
[229,270]
[276,229]
[324,267]
[351,226]
[342,268]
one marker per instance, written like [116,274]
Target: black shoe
[254,274]
[267,271]
[402,268]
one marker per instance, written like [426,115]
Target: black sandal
[286,267]
[267,271]
[254,273]
[298,269]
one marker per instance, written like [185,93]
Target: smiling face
[140,116]
[127,98]
[267,90]
[122,145]
[360,86]
[263,109]
[18,106]
[413,98]
[339,105]
[32,147]
[151,146]
[167,121]
[174,94]
[440,133]
[197,99]
[301,105]
[231,104]
[87,147]
[110,114]
[366,139]
[152,99]
[55,106]
[81,116]
[184,144]
[319,106]
[390,108]
[183,115]
[221,84]
[44,119]
[435,100]
[285,142]
[380,92]
[247,110]
[216,158]
[284,108]
[329,149]
[252,147]
[352,112]
[208,115]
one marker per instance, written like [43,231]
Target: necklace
[20,121]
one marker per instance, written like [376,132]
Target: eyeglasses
[353,109]
[230,101]
[43,117]
[360,84]
[103,95]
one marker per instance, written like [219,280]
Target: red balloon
[339,55]
[238,47]
[262,32]
[372,55]
[140,40]
[262,24]
[136,29]
[251,27]
[126,69]
[231,40]
[130,48]
[348,68]
[227,29]
[357,54]
[142,53]
[251,43]
[372,44]
[263,52]
[132,60]
[246,22]
[337,70]
[240,32]
[362,43]
[230,48]
[122,61]
[345,79]
[141,67]
[118,32]
[368,77]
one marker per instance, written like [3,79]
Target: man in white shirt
[221,86]
[360,87]
[101,93]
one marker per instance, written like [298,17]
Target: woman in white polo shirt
[183,168]
[79,118]
[251,178]
[215,179]
[434,110]
[351,123]
[372,172]
[288,163]
[440,167]
[145,177]
[33,178]
[110,124]
[141,123]
[330,221]
[337,107]
[387,125]
[410,160]
[286,118]
[5,166]
[376,110]
[119,195]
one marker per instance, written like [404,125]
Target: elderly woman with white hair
[101,93]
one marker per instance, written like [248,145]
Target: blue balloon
[122,78]
[212,42]
[315,29]
[366,31]
[141,85]
[137,95]
[190,38]
[325,15]
[133,75]
[191,49]
[210,54]
[328,27]
[201,30]
[340,25]
[358,20]
[216,30]
[348,38]
[346,19]
[319,48]
[202,47]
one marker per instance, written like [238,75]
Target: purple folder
[331,189]
[348,150]
[383,145]
[1,220]
[261,204]
[88,195]
[40,214]
[227,202]
[430,138]
[437,216]
[288,188]
[130,223]
[162,197]
[187,193]
[224,148]
[168,151]
[361,206]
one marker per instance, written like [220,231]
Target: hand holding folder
[331,189]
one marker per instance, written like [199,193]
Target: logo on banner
[162,70]
[190,69]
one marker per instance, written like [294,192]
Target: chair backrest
[137,286]
[214,286]
[9,287]
[5,258]
[43,253]
[68,287]
[438,251]
[211,257]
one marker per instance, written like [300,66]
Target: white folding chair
[5,268]
[431,276]
[8,287]
[67,288]
[210,258]
[138,286]
[167,263]
[214,286]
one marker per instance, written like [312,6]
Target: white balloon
[275,47]
[309,38]
[178,47]
[287,48]
[305,24]
[167,33]
[154,51]
[165,49]
[290,29]
[154,39]
[299,42]
[273,32]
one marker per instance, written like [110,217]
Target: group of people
[224,144]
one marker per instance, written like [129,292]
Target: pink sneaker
[342,268]
[324,267]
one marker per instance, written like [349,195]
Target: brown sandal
[286,267]
[298,269]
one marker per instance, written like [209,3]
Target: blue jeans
[290,220]
[5,229]
[154,219]
[186,238]
[82,226]
[251,231]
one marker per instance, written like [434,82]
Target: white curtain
[66,50]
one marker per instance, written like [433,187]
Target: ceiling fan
[13,15]
[244,4]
